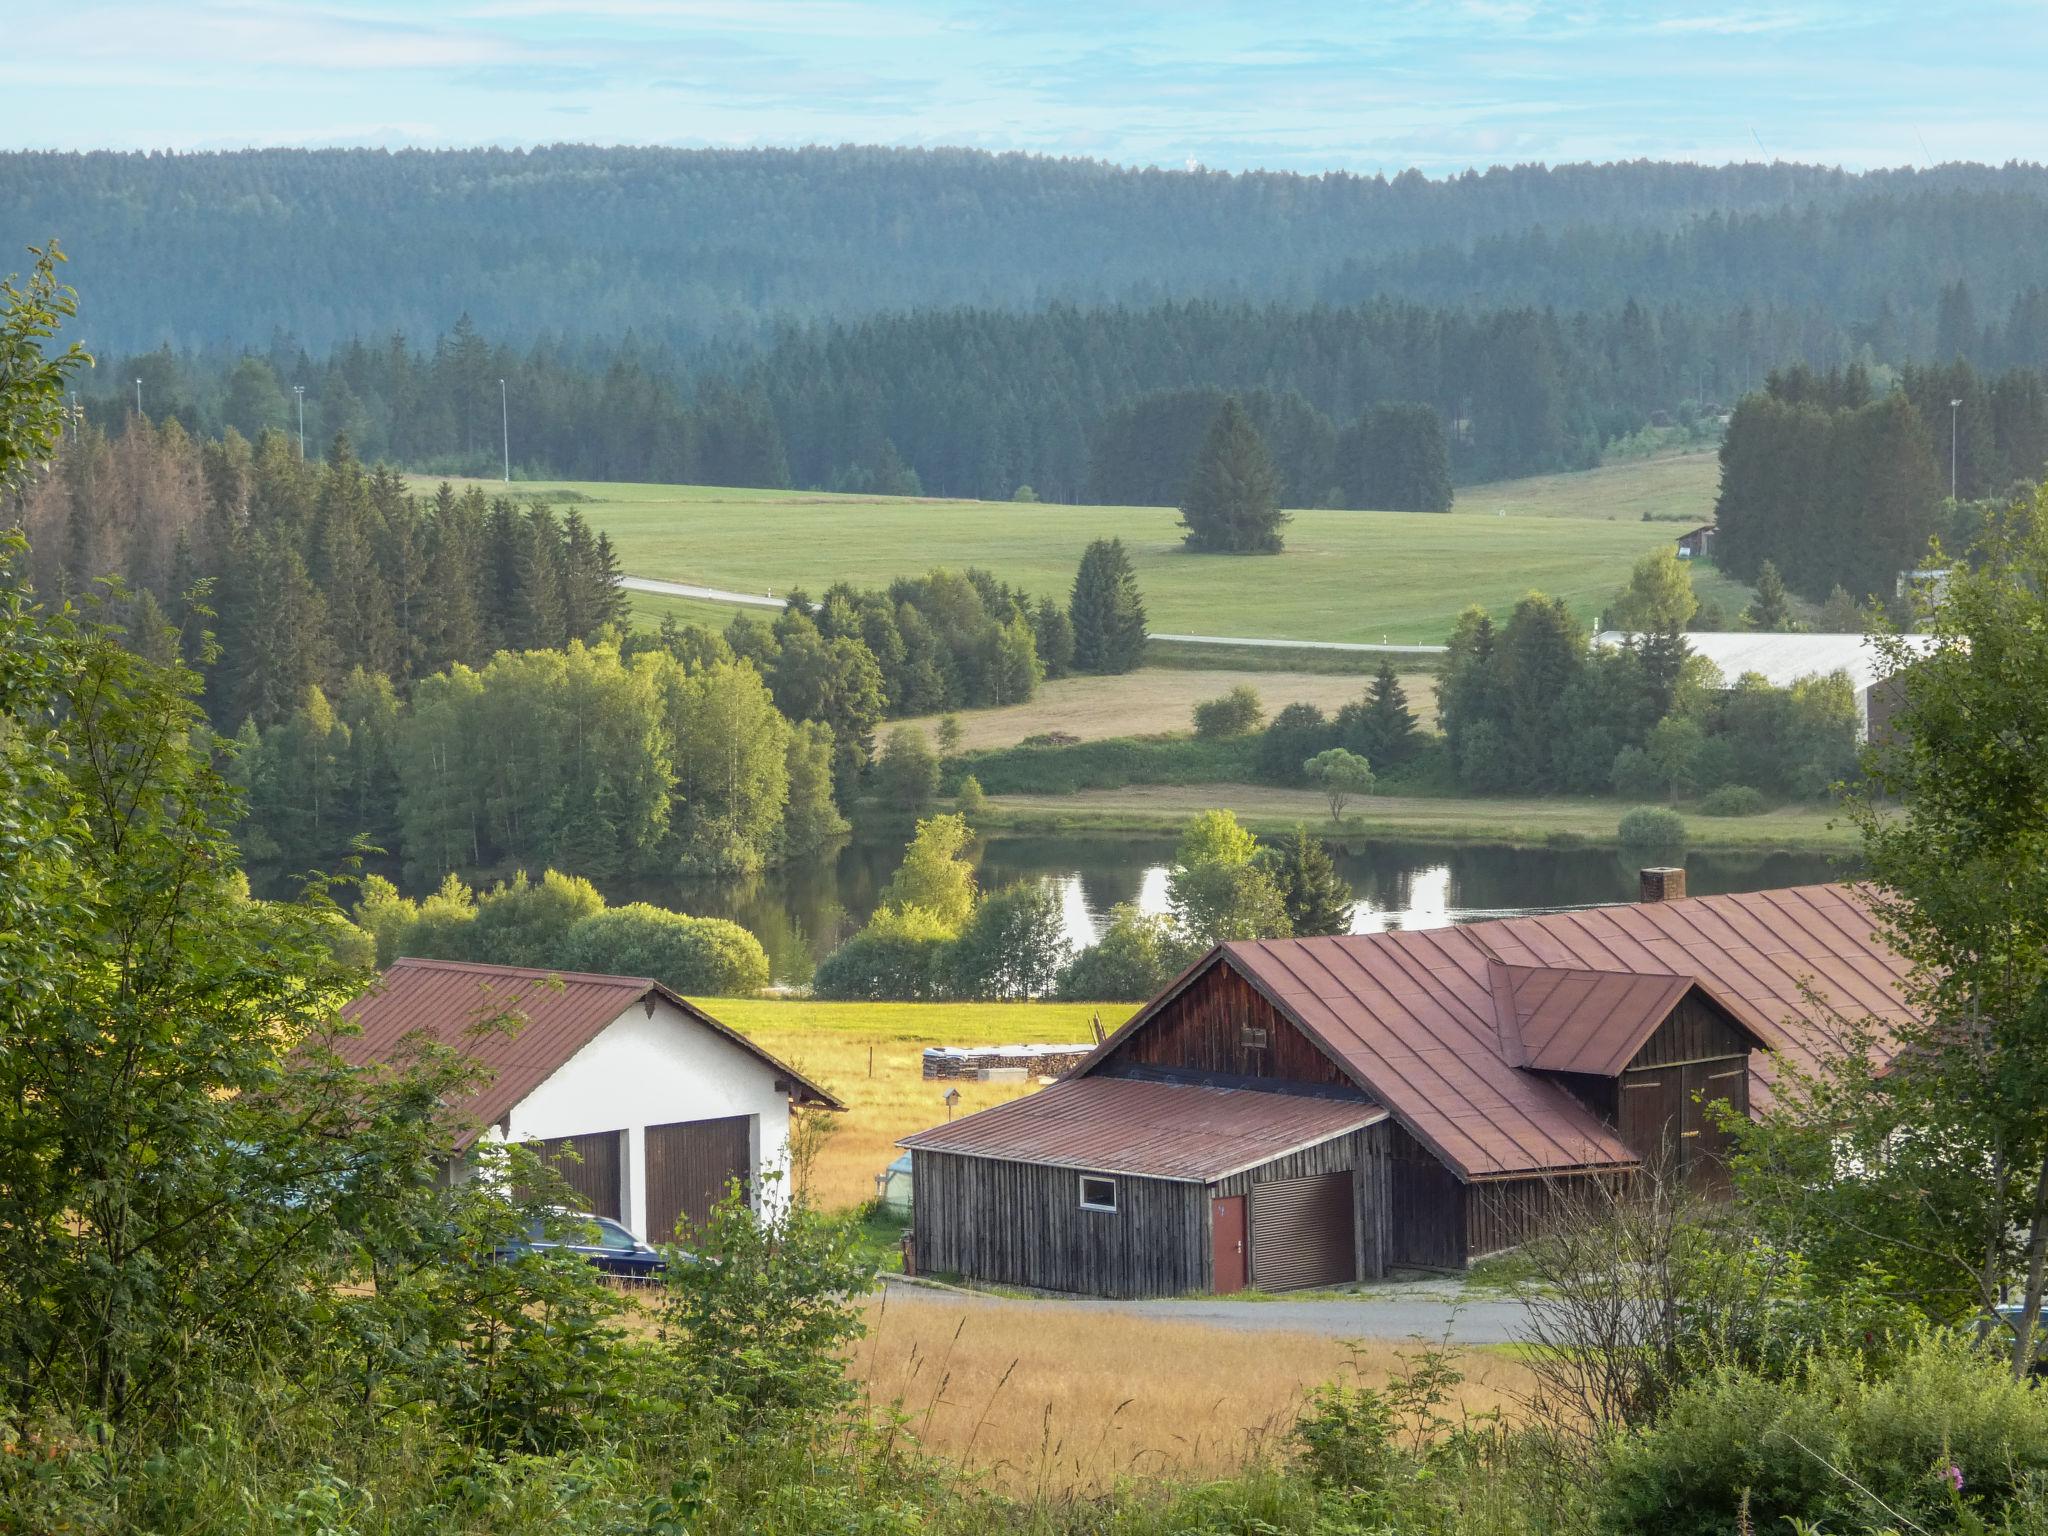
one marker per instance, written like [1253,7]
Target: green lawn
[1354,576]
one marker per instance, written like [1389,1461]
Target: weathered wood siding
[1425,1220]
[1505,1213]
[1022,1224]
[1362,1154]
[1213,1026]
[1696,1030]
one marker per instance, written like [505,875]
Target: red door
[1226,1219]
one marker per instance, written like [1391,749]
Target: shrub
[1236,713]
[899,957]
[1892,1438]
[1136,956]
[1295,735]
[702,956]
[969,799]
[1653,827]
[1731,800]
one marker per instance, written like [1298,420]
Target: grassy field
[1069,1404]
[869,1054]
[1677,486]
[1155,700]
[1367,576]
[1163,809]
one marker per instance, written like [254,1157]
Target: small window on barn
[1098,1194]
[1252,1036]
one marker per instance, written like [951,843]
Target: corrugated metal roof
[1783,659]
[1431,1023]
[1181,1131]
[520,1024]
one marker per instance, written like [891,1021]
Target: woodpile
[972,1061]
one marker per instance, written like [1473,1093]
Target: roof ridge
[531,972]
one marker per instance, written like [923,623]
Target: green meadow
[1355,576]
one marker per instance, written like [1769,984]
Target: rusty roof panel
[519,1024]
[1135,1126]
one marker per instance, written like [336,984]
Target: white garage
[661,1105]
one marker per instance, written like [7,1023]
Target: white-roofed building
[1783,659]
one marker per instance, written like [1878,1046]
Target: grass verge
[1561,821]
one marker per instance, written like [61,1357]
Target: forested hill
[681,246]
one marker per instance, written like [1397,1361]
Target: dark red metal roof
[1433,1024]
[519,1024]
[1181,1131]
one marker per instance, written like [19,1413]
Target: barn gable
[1215,1026]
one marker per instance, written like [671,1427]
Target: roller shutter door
[592,1172]
[1302,1232]
[689,1166]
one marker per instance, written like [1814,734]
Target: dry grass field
[834,1043]
[1068,1404]
[1155,700]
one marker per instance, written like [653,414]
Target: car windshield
[611,1235]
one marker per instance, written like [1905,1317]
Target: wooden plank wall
[1695,1031]
[1203,1030]
[1505,1213]
[1022,1224]
[1425,1220]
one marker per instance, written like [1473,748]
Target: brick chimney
[1662,884]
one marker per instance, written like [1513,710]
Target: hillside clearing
[1156,700]
[1346,576]
[831,1044]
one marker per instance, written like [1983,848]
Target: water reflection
[801,913]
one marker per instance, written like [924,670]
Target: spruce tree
[1771,610]
[1232,501]
[1317,898]
[538,618]
[1381,728]
[1108,614]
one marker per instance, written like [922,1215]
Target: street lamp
[1953,405]
[300,391]
[505,422]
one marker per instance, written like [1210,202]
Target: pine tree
[1108,614]
[344,567]
[452,622]
[1317,898]
[1232,501]
[1382,727]
[1772,609]
[538,619]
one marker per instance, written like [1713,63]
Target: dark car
[599,1239]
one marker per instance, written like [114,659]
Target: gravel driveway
[1433,1311]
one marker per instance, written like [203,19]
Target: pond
[800,913]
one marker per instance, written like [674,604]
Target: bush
[1012,948]
[1137,955]
[1295,735]
[900,956]
[969,799]
[700,956]
[1236,713]
[1731,800]
[1735,1437]
[1653,827]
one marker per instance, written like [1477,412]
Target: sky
[1372,85]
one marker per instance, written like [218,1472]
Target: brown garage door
[1302,1232]
[589,1165]
[689,1166]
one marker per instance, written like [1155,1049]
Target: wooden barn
[1303,1112]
